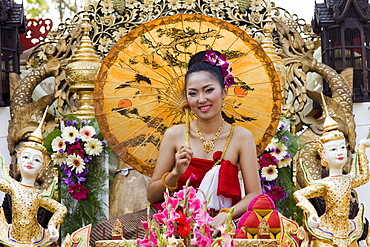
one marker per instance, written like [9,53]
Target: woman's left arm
[247,157]
[249,169]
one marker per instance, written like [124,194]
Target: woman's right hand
[182,158]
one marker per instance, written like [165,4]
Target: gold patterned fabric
[25,230]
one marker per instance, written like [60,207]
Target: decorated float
[118,69]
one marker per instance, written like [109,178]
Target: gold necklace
[208,145]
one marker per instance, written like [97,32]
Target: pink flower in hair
[229,80]
[211,57]
[220,61]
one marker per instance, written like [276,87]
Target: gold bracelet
[171,188]
[224,210]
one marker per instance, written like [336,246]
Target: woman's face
[31,162]
[335,153]
[204,94]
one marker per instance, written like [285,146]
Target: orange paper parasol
[139,89]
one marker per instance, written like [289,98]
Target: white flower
[269,173]
[69,134]
[279,150]
[87,132]
[284,163]
[76,162]
[59,158]
[93,147]
[57,144]
[173,241]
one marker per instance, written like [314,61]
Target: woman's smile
[205,108]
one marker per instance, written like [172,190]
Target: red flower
[276,193]
[78,191]
[267,159]
[184,225]
[76,149]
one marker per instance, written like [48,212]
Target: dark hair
[197,64]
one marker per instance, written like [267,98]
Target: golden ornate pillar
[82,70]
[268,46]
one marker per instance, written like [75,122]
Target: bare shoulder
[241,133]
[174,134]
[175,131]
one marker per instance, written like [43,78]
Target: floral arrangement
[184,221]
[275,168]
[77,148]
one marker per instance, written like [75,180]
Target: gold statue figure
[334,228]
[26,199]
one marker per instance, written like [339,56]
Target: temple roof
[11,14]
[334,11]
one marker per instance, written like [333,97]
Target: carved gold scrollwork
[112,19]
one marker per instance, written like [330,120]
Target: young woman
[215,146]
[205,88]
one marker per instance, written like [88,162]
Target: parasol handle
[185,107]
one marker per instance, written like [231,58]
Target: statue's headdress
[330,127]
[35,141]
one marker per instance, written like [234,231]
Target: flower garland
[275,169]
[184,221]
[77,148]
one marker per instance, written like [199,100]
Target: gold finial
[331,127]
[118,231]
[35,140]
[263,231]
[82,70]
[36,136]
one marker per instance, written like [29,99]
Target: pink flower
[192,193]
[227,241]
[211,57]
[78,191]
[196,205]
[173,202]
[76,149]
[180,194]
[148,241]
[276,193]
[202,237]
[145,225]
[221,61]
[229,80]
[202,218]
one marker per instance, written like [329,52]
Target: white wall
[4,117]
[362,120]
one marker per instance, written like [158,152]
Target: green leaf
[88,208]
[287,206]
[49,138]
